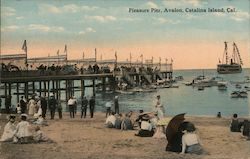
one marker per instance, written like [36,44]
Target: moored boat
[239,94]
[243,94]
[222,86]
[235,94]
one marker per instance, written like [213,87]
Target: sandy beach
[88,138]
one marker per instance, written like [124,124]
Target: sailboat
[234,66]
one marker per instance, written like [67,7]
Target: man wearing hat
[92,106]
[84,106]
[52,106]
[116,105]
[43,106]
[23,105]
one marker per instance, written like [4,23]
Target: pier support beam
[94,91]
[104,84]
[26,90]
[82,88]
[17,91]
[40,88]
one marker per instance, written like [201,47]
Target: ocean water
[185,99]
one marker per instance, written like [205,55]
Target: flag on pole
[24,48]
[116,56]
[65,49]
[95,54]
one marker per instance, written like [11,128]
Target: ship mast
[225,53]
[237,52]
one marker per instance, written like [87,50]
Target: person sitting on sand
[219,115]
[146,128]
[110,121]
[246,128]
[235,124]
[39,136]
[127,123]
[118,121]
[40,121]
[154,121]
[9,129]
[191,141]
[22,133]
[139,118]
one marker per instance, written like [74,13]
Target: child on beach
[18,109]
[22,133]
[39,136]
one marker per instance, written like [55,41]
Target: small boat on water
[235,94]
[238,86]
[234,66]
[201,88]
[188,83]
[222,86]
[243,94]
[173,86]
[178,78]
[239,94]
[124,92]
[247,88]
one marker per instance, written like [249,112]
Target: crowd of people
[23,132]
[148,124]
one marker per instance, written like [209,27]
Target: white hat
[24,115]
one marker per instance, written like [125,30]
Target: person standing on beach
[92,106]
[75,104]
[116,103]
[59,109]
[84,106]
[52,106]
[32,106]
[8,103]
[108,108]
[23,105]
[43,106]
[159,107]
[71,104]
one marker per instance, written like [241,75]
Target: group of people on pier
[55,69]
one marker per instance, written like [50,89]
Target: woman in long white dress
[32,106]
[39,109]
[9,130]
[159,109]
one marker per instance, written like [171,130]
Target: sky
[194,40]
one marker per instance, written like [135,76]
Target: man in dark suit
[92,106]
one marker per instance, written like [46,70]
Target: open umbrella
[173,134]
